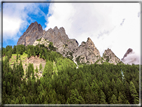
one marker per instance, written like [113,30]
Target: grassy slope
[60,64]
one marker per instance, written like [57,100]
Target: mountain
[60,39]
[130,57]
[33,32]
[110,57]
[87,52]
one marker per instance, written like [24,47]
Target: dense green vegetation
[62,83]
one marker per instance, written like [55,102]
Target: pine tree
[17,58]
[36,69]
[115,92]
[113,99]
[21,69]
[102,98]
[134,93]
[40,66]
[29,53]
[119,100]
[48,69]
[75,98]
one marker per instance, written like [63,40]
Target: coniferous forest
[62,83]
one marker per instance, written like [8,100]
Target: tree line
[62,83]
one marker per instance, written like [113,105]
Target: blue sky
[108,25]
[38,13]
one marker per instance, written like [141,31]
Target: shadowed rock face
[128,52]
[110,57]
[33,32]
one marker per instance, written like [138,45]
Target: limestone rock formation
[87,53]
[60,39]
[128,52]
[110,57]
[33,32]
[41,41]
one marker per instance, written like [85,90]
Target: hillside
[59,82]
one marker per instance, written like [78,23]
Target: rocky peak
[91,46]
[131,57]
[34,27]
[110,57]
[62,30]
[83,43]
[128,52]
[89,40]
[108,52]
[33,32]
[55,29]
[87,52]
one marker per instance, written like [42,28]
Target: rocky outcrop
[128,52]
[110,57]
[130,57]
[41,41]
[33,32]
[87,52]
[60,39]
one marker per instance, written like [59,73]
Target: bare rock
[110,57]
[33,32]
[42,41]
[128,52]
[87,53]
[60,39]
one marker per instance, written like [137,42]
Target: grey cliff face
[59,38]
[33,32]
[85,53]
[110,57]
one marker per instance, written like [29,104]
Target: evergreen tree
[102,98]
[75,98]
[17,58]
[40,66]
[134,93]
[119,100]
[36,69]
[21,69]
[113,99]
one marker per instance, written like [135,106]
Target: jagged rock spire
[128,51]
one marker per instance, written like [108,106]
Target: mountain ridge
[87,52]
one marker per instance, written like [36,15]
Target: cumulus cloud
[132,58]
[16,18]
[109,25]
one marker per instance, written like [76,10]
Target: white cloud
[132,58]
[16,17]
[82,20]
